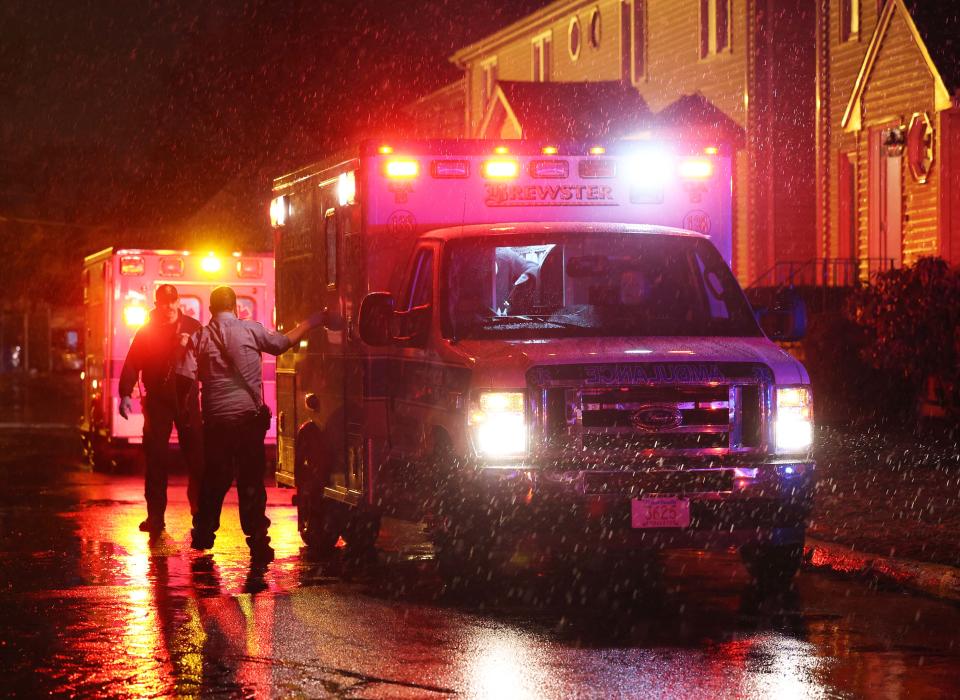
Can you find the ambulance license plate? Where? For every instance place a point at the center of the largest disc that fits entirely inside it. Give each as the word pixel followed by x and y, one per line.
pixel 660 511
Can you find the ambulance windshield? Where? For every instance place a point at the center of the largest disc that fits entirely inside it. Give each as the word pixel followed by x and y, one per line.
pixel 600 284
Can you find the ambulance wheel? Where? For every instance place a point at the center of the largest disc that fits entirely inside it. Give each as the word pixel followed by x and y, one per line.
pixel 772 567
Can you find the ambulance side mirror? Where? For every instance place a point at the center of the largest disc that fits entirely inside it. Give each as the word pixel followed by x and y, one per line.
pixel 786 321
pixel 376 319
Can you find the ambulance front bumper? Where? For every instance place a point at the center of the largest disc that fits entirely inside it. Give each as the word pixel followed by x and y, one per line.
pixel 608 511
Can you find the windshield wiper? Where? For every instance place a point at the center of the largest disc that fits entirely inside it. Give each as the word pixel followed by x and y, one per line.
pixel 553 321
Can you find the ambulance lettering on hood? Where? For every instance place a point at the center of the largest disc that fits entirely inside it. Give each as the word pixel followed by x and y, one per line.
pixel 502 195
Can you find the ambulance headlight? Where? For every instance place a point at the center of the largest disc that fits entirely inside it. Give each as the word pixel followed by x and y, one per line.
pixel 793 426
pixel 498 424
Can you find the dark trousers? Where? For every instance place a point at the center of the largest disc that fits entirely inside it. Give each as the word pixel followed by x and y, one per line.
pixel 233 450
pixel 159 416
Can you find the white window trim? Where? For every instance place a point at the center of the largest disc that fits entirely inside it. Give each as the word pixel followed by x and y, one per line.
pixel 595 12
pixel 488 85
pixel 855 15
pixel 545 41
pixel 634 46
pixel 574 22
pixel 712 30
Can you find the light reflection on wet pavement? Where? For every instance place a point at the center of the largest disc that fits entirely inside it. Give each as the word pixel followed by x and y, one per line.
pixel 93 609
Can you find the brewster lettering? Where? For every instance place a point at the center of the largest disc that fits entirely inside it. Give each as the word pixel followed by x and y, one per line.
pixel 500 195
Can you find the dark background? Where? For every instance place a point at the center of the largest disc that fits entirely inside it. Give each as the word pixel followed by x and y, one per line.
pixel 122 121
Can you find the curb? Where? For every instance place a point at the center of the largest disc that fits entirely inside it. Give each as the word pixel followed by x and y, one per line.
pixel 936 580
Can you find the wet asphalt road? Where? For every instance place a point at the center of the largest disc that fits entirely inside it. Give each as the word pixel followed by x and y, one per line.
pixel 89 607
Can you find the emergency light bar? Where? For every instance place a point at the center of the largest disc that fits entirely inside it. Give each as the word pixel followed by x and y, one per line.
pixel 501 169
pixel 131 265
pixel 249 268
pixel 171 267
pixel 597 168
pixel 549 168
pixel 695 169
pixel 210 263
pixel 404 168
pixel 450 168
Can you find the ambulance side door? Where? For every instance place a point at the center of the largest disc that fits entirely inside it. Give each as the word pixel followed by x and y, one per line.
pixel 417 370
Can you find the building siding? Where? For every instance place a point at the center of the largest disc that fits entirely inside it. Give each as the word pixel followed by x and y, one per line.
pixel 900 84
pixel 845 60
pixel 515 57
pixel 773 209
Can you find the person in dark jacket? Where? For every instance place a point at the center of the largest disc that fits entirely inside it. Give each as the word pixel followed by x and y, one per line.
pixel 154 352
pixel 225 356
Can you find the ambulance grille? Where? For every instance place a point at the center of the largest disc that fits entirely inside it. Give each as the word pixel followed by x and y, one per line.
pixel 654 419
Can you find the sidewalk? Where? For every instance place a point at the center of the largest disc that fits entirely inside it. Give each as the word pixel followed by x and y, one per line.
pixel 888 506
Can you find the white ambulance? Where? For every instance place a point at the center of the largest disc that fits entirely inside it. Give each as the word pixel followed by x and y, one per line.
pixel 534 348
pixel 118 293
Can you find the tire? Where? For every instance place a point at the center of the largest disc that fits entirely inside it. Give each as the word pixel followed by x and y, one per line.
pixel 772 567
pixel 319 520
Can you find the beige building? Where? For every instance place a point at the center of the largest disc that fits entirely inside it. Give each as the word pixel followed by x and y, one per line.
pixel 888 135
pixel 709 69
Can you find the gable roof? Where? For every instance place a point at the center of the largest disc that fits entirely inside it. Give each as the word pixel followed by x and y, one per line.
pixel 568 111
pixel 695 116
pixel 602 110
pixel 939 29
pixel 524 26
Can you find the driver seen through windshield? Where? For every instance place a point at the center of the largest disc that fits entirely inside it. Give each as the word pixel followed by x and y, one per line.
pixel 591 285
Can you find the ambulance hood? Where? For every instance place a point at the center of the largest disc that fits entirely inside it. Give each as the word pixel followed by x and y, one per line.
pixel 503 363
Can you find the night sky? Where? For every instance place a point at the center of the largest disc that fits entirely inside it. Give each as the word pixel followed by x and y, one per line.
pixel 131 116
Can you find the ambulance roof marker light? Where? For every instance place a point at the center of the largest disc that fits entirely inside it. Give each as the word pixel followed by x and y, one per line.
pixel 597 150
pixel 501 150
pixel 711 150
pixel 550 150
pixel 385 150
pixel 210 263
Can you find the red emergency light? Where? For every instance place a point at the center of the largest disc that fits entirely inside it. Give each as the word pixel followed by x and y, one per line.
pixel 597 167
pixel 695 168
pixel 401 168
pixel 131 265
pixel 450 168
pixel 249 268
pixel 549 168
pixel 171 267
pixel 501 169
